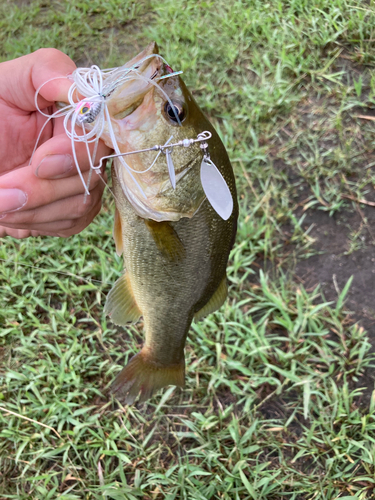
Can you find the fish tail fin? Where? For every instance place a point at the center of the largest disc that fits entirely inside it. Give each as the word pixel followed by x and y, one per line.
pixel 145 376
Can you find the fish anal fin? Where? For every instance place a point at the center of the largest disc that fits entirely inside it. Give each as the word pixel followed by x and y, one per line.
pixel 166 240
pixel 117 234
pixel 215 302
pixel 120 305
pixel 142 376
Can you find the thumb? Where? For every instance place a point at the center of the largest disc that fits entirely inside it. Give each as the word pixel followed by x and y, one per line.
pixel 21 77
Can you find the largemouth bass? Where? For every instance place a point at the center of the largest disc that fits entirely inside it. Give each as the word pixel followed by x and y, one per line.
pixel 175 245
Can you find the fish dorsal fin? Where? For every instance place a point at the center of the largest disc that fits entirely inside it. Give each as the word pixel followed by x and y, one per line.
pixel 215 302
pixel 117 234
pixel 166 239
pixel 120 305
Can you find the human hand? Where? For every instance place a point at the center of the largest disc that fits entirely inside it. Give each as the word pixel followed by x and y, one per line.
pixel 46 197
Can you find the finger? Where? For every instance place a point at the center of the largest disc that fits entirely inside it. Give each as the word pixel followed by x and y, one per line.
pixel 74 207
pixel 48 226
pixel 22 190
pixel 17 233
pixel 23 76
pixel 63 228
pixel 54 158
pixel 81 223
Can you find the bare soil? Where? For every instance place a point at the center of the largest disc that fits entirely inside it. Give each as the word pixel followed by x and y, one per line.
pixel 337 261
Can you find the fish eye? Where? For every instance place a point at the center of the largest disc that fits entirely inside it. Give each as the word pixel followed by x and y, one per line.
pixel 171 112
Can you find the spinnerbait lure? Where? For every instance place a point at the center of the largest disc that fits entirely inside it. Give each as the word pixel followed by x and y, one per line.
pixel 97 86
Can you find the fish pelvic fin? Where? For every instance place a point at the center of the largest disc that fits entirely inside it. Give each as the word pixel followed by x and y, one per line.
pixel 166 239
pixel 117 234
pixel 120 305
pixel 142 376
pixel 215 302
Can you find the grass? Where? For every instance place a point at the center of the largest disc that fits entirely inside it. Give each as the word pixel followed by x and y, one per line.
pixel 272 407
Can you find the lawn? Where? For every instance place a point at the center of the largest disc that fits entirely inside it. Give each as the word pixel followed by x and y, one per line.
pixel 279 400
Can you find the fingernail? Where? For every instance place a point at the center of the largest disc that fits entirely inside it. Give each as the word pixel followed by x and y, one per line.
pixel 11 200
pixel 54 166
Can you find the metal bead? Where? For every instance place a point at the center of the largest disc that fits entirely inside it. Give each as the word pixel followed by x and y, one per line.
pixel 186 143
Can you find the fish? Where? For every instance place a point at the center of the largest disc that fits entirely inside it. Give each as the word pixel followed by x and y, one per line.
pixel 174 244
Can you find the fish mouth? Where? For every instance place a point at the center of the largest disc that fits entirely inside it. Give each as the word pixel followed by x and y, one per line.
pixel 129 110
pixel 128 96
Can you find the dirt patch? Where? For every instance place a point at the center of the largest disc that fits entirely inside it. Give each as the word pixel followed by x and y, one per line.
pixel 346 246
pixel 123 43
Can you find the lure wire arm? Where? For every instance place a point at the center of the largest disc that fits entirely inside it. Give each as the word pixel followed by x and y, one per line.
pixel 202 138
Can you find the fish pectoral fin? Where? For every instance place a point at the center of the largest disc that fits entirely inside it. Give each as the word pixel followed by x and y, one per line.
pixel 117 234
pixel 120 305
pixel 215 302
pixel 166 239
pixel 144 376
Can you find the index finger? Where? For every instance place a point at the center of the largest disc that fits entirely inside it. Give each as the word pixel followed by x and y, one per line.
pixel 23 76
